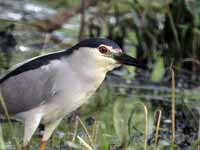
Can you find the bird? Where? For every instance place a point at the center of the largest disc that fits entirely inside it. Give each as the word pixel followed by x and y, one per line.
pixel 46 88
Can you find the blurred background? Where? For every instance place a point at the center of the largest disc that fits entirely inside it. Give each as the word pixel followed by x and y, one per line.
pixel 165 34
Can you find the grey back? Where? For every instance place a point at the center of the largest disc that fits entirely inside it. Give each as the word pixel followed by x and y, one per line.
pixel 26 90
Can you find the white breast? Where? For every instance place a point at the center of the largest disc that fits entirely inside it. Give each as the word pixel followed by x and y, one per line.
pixel 73 86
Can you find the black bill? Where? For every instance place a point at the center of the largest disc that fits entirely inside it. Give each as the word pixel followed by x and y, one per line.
pixel 128 60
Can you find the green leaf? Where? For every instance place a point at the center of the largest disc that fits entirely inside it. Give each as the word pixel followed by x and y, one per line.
pixel 158 70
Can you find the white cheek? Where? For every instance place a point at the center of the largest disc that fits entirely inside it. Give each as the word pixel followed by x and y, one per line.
pixel 109 63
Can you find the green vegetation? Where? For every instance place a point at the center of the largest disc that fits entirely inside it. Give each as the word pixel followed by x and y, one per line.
pixel 165 34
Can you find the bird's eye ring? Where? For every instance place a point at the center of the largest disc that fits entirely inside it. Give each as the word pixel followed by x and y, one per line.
pixel 103 49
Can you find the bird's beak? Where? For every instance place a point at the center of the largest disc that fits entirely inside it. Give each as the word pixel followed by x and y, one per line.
pixel 128 60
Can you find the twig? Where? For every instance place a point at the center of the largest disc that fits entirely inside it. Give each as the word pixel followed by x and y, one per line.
pixel 81 32
pixel 76 129
pixel 84 143
pixel 173 107
pixel 171 20
pixel 146 126
pixel 157 127
pixel 47 38
pixel 193 60
pixel 49 25
pixel 95 129
pixel 145 122
pixel 84 127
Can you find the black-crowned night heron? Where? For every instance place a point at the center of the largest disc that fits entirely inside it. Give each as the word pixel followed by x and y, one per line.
pixel 44 89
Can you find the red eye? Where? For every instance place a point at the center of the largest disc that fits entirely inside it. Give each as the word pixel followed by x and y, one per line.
pixel 103 49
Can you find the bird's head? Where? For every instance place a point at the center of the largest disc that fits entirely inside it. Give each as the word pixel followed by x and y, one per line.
pixel 105 53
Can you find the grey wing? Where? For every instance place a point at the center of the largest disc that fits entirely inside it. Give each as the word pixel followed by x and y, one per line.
pixel 27 90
